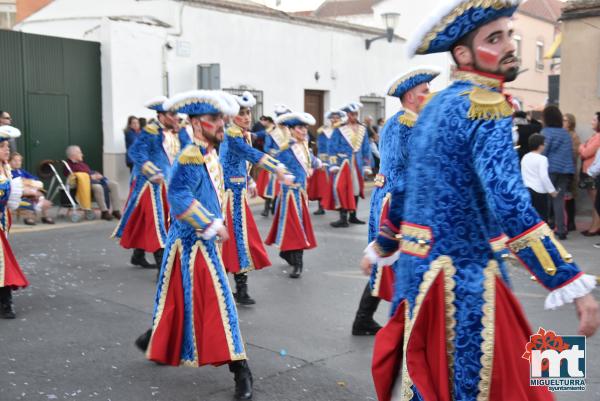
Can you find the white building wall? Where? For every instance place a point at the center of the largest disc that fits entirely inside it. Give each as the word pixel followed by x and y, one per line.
pixel 272 55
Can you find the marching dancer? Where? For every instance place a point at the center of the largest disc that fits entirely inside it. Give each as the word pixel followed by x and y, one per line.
pixel 11 190
pixel 244 250
pixel 445 340
pixel 145 219
pixel 319 185
pixel 267 185
pixel 292 230
pixel 350 158
pixel 411 88
pixel 195 319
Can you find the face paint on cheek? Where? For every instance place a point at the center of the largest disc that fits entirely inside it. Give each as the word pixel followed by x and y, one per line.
pixel 208 126
pixel 487 55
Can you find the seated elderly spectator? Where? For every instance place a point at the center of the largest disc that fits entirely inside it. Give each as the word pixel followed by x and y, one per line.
pixel 33 200
pixel 105 191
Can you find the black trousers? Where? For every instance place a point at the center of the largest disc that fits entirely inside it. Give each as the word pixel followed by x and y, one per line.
pixel 540 203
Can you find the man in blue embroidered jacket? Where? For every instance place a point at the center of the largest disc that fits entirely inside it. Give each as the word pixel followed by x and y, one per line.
pixel 244 251
pixel 462 166
pixel 412 88
pixel 350 160
pixel 195 320
pixel 145 219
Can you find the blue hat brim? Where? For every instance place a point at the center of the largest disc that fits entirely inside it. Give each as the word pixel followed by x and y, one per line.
pixel 451 22
pixel 404 86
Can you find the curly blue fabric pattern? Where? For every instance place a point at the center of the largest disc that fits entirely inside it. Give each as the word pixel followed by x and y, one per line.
pixel 463 182
pixel 235 153
pixel 192 183
pixel 339 147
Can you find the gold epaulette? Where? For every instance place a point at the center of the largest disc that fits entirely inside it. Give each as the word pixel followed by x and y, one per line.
pixel 320 130
pixel 152 129
pixel 487 105
pixel 191 155
pixel 408 118
pixel 235 132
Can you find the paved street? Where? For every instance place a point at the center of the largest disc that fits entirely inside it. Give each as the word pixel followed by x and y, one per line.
pixel 73 337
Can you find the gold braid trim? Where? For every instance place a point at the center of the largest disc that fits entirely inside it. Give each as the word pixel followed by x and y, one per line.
pixel 408 118
pixel 488 105
pixel 191 155
pixel 533 240
pixel 487 333
pixel 441 264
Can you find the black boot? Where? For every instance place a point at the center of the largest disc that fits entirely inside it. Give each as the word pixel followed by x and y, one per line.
pixel 320 211
pixel 158 257
pixel 243 380
pixel 265 212
pixel 297 259
pixel 343 221
pixel 285 255
pixel 241 289
pixel 353 219
pixel 139 259
pixel 142 341
pixel 364 325
pixel 6 307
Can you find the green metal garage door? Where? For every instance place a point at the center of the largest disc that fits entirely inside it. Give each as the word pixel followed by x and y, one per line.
pixel 51 86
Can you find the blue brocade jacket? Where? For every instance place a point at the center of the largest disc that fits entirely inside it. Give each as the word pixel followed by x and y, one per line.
pixel 149 155
pixel 347 145
pixel 463 187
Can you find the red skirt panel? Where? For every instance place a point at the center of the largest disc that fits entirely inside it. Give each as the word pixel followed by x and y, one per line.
pixel 142 227
pixel 244 250
pixel 288 232
pixel 267 186
pixel 387 354
pixel 504 373
pixel 343 188
pixel 208 341
pixel 318 186
pixel 10 271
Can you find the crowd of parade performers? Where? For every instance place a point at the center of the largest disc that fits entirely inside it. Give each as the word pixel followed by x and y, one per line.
pixel 448 204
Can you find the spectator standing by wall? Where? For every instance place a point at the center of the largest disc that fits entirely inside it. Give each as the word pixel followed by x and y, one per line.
pixel 588 151
pixel 6 119
pixel 569 124
pixel 131 133
pixel 534 169
pixel 558 150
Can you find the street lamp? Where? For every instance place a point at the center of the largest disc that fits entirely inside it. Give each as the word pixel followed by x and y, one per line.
pixel 391 20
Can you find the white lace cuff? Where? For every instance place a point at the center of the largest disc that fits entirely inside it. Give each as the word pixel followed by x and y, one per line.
pixel 211 231
pixel 16 192
pixel 374 257
pixel 575 289
pixel 334 169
